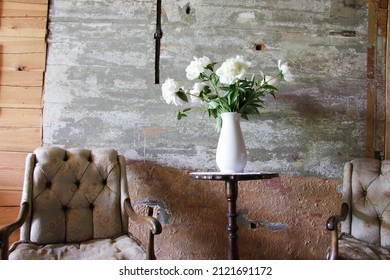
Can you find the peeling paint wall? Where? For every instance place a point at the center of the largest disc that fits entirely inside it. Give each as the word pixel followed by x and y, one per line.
pixel 100 79
pixel 100 91
pixel 281 218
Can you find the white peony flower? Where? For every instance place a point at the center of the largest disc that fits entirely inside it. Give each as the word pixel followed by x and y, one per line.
pixel 283 67
pixel 232 69
pixel 196 67
pixel 195 91
pixel 169 89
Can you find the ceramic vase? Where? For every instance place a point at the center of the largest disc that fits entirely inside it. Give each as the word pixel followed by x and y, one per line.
pixel 231 155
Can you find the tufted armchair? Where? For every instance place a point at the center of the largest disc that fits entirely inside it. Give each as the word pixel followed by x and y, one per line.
pixel 365 212
pixel 75 205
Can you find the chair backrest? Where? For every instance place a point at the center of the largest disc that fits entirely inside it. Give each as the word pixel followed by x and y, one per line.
pixel 366 188
pixel 75 195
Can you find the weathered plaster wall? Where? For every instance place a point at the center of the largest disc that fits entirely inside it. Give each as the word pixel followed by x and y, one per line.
pixel 100 91
pixel 281 218
pixel 100 79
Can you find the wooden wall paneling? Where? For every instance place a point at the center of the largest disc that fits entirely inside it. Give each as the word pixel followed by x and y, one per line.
pixel 17 117
pixel 22 45
pixel 371 89
pixel 20 138
pixel 23 62
pixel 11 171
pixel 10 198
pixel 21 78
pixel 23 33
pixel 387 125
pixel 20 129
pixel 20 97
pixel 26 9
pixel 28 27
pixel 371 115
pixel 8 215
pixel 44 2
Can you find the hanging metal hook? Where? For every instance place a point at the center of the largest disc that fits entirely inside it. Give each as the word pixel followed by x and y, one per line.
pixel 157 36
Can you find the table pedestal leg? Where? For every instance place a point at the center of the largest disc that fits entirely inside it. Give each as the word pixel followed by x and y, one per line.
pixel 232 228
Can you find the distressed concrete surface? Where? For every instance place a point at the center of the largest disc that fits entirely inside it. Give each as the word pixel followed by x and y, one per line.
pixel 100 91
pixel 99 86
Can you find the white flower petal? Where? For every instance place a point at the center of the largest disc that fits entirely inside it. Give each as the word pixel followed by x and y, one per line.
pixel 195 92
pixel 232 69
pixel 169 89
pixel 285 71
pixel 196 67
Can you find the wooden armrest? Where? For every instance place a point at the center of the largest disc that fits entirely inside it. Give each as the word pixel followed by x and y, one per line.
pixel 152 223
pixel 333 221
pixel 7 230
pixel 332 225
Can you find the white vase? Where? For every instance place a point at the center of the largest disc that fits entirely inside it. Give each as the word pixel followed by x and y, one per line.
pixel 231 153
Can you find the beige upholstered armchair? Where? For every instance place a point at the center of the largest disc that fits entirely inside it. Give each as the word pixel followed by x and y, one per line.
pixel 365 212
pixel 75 205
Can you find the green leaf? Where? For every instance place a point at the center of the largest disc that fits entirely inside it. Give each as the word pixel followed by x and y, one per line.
pixel 218 125
pixel 182 95
pixel 269 87
pixel 244 116
pixel 180 115
pixel 211 66
pixel 213 104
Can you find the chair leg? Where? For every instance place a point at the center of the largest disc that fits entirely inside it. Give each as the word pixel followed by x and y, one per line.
pixel 150 255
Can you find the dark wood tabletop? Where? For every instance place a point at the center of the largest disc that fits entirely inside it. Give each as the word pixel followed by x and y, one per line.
pixel 233 176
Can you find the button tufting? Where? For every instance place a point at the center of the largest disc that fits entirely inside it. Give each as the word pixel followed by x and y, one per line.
pixel 91 206
pixel 104 182
pixel 364 193
pixel 64 208
pixel 66 157
pixel 77 183
pixel 48 184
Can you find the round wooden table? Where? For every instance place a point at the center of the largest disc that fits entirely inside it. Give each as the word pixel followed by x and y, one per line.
pixel 231 187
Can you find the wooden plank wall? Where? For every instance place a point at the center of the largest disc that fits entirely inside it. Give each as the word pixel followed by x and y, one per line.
pixel 376 137
pixel 387 126
pixel 22 66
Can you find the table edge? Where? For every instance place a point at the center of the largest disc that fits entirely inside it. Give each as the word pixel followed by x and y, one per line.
pixel 233 176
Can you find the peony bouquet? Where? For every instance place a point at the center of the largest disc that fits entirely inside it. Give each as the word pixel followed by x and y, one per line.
pixel 224 90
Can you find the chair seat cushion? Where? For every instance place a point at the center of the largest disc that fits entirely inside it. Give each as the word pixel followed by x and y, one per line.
pixel 351 248
pixel 123 247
